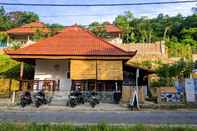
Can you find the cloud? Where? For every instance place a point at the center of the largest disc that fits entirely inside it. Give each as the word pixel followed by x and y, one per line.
pixel 86 15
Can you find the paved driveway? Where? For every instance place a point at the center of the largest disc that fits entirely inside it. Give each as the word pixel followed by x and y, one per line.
pixel 95 117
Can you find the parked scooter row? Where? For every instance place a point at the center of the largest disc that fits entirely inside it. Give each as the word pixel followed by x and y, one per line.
pixel 77 98
pixel 38 99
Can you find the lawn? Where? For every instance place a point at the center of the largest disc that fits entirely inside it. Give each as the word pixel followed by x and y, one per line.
pixel 99 127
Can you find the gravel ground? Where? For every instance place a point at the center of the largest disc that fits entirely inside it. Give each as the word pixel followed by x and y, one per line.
pixel 46 108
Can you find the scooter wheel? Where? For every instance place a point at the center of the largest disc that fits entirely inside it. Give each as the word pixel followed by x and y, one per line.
pixel 37 104
pixel 45 102
pixel 72 103
pixel 23 104
pixel 93 104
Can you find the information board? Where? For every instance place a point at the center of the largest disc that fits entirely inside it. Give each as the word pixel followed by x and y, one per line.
pixel 190 90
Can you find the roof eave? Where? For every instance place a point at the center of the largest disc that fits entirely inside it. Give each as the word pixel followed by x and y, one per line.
pixel 16 56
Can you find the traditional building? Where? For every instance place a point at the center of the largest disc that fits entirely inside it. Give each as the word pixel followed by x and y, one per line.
pixel 77 58
pixel 113 34
pixel 25 32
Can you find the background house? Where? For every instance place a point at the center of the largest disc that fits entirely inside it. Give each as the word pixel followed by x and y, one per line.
pixel 26 32
pixel 113 33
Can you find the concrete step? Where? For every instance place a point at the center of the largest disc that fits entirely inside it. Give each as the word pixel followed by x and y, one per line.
pixel 58 102
pixel 59 98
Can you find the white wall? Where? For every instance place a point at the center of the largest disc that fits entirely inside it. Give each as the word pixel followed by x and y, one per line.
pixel 53 70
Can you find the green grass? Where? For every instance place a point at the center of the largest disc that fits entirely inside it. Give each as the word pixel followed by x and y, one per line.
pixel 99 127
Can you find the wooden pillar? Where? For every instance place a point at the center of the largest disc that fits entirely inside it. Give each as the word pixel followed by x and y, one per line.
pixel 58 85
pixel 21 74
pixel 95 85
pixel 21 70
pixel 116 86
pixel 104 86
pixel 28 38
pixel 96 76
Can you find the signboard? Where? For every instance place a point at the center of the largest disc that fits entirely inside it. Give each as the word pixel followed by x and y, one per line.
pixel 190 90
pixel 194 73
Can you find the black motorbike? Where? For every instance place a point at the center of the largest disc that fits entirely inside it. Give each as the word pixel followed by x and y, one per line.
pixel 25 99
pixel 75 98
pixel 93 100
pixel 40 98
pixel 72 101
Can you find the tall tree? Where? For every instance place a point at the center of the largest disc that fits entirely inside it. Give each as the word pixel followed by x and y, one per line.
pixel 5 23
pixel 54 28
pixel 98 29
pixel 12 19
pixel 27 17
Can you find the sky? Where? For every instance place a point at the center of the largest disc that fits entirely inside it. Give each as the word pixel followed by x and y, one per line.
pixel 86 15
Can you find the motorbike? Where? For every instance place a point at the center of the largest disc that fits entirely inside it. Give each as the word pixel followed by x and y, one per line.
pixel 72 102
pixel 75 98
pixel 25 99
pixel 93 100
pixel 40 98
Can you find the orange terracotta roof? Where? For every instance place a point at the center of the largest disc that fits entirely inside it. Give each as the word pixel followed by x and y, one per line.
pixel 110 28
pixel 73 41
pixel 29 28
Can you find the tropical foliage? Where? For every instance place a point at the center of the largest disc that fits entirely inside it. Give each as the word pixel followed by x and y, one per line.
pixel 14 44
pixel 179 32
pixel 98 29
pixel 168 73
pixel 3 39
pixel 11 69
pixel 39 35
pixel 54 28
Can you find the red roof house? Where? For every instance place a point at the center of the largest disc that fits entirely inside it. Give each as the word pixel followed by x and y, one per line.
pixel 110 28
pixel 26 32
pixel 30 28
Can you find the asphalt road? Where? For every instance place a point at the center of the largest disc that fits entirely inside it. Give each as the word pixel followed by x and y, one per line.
pixel 96 117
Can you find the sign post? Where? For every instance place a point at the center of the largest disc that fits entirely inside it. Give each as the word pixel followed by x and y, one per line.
pixel 134 102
